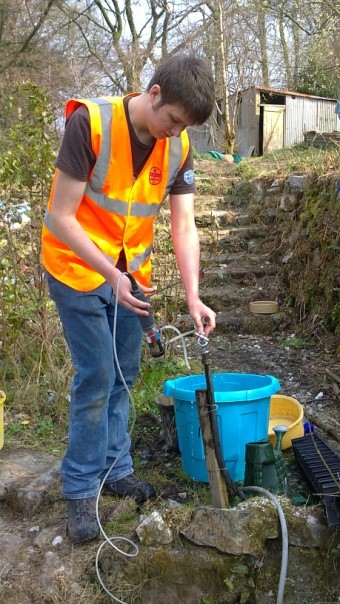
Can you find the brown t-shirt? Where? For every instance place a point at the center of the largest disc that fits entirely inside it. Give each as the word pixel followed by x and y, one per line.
pixel 77 159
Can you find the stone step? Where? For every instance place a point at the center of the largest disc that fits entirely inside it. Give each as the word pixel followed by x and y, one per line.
pixel 216 218
pixel 249 274
pixel 218 174
pixel 225 179
pixel 234 258
pixel 241 321
pixel 210 216
pixel 212 202
pixel 233 244
pixel 222 218
pixel 241 232
pixel 235 296
pixel 249 324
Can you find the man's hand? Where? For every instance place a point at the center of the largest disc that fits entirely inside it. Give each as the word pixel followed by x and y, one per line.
pixel 203 317
pixel 123 288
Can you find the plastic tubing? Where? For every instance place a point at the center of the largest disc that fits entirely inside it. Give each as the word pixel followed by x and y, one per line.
pixel 284 535
pixel 179 337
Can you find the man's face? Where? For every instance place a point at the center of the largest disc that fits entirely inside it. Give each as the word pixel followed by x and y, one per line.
pixel 165 120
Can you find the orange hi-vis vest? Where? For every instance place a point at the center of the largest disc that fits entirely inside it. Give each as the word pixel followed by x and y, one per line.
pixel 117 211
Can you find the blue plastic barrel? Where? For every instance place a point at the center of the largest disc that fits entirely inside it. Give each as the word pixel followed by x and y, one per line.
pixel 243 405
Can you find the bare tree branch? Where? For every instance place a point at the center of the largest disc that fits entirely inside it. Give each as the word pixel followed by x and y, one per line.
pixel 29 38
pixel 117 29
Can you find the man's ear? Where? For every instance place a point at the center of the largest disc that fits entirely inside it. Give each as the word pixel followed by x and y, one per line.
pixel 155 94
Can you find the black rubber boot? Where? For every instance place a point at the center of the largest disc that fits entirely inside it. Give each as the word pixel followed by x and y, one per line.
pixel 130 486
pixel 82 522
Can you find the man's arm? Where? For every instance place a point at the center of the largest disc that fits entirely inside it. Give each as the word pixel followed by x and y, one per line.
pixel 186 246
pixel 68 194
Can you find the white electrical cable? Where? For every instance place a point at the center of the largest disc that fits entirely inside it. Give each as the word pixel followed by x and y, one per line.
pixel 110 540
pixel 284 536
pixel 180 336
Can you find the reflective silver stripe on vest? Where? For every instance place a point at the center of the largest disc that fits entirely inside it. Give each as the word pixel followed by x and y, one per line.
pixel 48 224
pixel 103 160
pixel 110 259
pixel 139 259
pixel 121 207
pixel 175 159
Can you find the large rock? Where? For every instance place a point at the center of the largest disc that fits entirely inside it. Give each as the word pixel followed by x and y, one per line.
pixel 246 528
pixel 240 530
pixel 297 183
pixel 26 476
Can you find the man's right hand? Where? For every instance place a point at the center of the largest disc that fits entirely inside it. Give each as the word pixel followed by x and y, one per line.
pixel 123 289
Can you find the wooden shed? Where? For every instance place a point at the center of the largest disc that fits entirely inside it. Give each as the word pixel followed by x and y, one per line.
pixel 270 119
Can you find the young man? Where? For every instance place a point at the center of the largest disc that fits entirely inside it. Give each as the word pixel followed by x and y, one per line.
pixel 119 159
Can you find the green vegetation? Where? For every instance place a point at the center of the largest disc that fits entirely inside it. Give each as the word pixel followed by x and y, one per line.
pixel 300 159
pixel 303 158
pixel 314 269
pixel 124 522
pixel 152 377
pixel 294 342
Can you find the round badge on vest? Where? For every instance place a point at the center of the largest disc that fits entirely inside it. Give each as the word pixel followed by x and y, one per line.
pixel 155 176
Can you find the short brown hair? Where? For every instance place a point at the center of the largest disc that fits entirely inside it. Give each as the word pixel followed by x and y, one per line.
pixel 187 81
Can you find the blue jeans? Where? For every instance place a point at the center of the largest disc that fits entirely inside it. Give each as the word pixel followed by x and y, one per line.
pixel 99 404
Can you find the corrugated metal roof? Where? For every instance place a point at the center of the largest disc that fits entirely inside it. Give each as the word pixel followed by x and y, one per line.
pixel 290 92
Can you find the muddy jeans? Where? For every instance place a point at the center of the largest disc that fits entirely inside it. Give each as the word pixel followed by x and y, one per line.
pixel 99 403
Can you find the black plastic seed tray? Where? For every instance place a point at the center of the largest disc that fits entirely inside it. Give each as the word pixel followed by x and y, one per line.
pixel 320 464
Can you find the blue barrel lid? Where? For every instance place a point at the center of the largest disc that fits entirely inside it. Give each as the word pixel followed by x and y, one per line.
pixel 228 387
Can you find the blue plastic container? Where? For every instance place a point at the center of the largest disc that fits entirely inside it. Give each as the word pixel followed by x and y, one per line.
pixel 243 404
